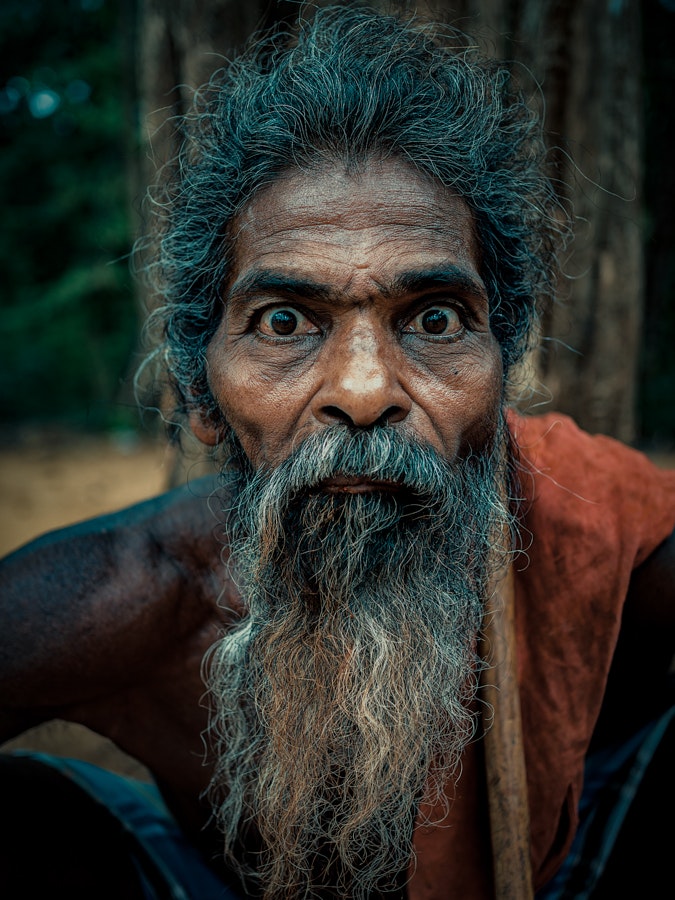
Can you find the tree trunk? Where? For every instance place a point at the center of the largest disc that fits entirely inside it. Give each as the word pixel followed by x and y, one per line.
pixel 587 55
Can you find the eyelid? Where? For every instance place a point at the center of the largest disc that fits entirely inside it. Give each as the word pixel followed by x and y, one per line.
pixel 256 316
pixel 438 300
pixel 428 303
pixel 258 311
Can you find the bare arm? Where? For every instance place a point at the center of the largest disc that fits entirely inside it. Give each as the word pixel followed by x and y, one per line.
pixel 648 626
pixel 640 686
pixel 651 597
pixel 96 617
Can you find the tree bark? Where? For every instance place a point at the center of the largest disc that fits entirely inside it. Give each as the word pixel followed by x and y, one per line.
pixel 587 55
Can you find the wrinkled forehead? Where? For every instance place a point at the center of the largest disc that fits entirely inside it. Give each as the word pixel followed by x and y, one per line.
pixel 384 209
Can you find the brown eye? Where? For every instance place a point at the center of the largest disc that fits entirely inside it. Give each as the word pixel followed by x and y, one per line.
pixel 284 321
pixel 437 321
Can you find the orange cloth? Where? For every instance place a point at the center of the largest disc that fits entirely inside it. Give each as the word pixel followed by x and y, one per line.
pixel 593 509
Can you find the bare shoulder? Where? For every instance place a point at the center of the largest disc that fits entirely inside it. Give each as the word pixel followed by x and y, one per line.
pixel 651 597
pixel 98 609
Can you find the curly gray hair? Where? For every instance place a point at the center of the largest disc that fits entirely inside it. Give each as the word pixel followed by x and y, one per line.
pixel 348 85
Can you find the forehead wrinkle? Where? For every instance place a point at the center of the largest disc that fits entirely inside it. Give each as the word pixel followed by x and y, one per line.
pixel 339 241
pixel 340 211
pixel 293 242
pixel 424 219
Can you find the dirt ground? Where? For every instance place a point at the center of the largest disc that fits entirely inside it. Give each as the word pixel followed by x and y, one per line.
pixel 49 479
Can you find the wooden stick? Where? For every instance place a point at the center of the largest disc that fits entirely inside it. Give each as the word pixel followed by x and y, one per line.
pixel 504 758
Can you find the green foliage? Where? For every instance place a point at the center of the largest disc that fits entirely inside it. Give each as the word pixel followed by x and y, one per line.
pixel 68 320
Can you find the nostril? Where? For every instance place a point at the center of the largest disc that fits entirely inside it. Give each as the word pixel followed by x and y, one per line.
pixel 335 415
pixel 392 415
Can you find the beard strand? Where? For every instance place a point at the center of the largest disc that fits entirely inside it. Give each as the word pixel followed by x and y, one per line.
pixel 343 698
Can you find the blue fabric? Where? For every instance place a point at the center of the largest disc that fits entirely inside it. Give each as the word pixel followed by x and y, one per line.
pixel 163 855
pixel 612 778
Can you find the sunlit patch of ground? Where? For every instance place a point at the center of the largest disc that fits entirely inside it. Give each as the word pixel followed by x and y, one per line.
pixel 48 479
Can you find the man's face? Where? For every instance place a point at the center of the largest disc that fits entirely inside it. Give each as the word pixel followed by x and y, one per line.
pixel 357 300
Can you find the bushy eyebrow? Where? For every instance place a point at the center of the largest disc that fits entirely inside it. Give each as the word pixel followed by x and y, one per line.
pixel 264 281
pixel 447 276
pixel 268 282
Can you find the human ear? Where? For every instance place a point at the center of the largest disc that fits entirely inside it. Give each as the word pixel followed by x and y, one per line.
pixel 205 428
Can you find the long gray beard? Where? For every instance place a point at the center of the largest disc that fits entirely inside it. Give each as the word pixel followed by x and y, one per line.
pixel 342 700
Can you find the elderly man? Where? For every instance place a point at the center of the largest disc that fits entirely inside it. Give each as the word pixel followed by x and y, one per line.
pixel 355 245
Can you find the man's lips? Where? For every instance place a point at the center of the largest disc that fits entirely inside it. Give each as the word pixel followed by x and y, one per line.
pixel 343 484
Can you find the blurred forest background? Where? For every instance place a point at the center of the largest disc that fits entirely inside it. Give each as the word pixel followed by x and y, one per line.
pixel 86 85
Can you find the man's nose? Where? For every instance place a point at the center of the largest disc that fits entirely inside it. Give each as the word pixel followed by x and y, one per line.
pixel 361 381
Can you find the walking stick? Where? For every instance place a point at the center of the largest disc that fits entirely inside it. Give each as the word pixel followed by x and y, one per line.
pixel 504 759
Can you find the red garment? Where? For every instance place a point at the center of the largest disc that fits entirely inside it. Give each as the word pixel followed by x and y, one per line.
pixel 594 510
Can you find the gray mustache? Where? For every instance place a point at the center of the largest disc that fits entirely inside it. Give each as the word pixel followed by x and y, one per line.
pixel 384 454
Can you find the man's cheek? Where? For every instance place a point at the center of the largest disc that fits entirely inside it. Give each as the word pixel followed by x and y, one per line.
pixel 487 398
pixel 263 442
